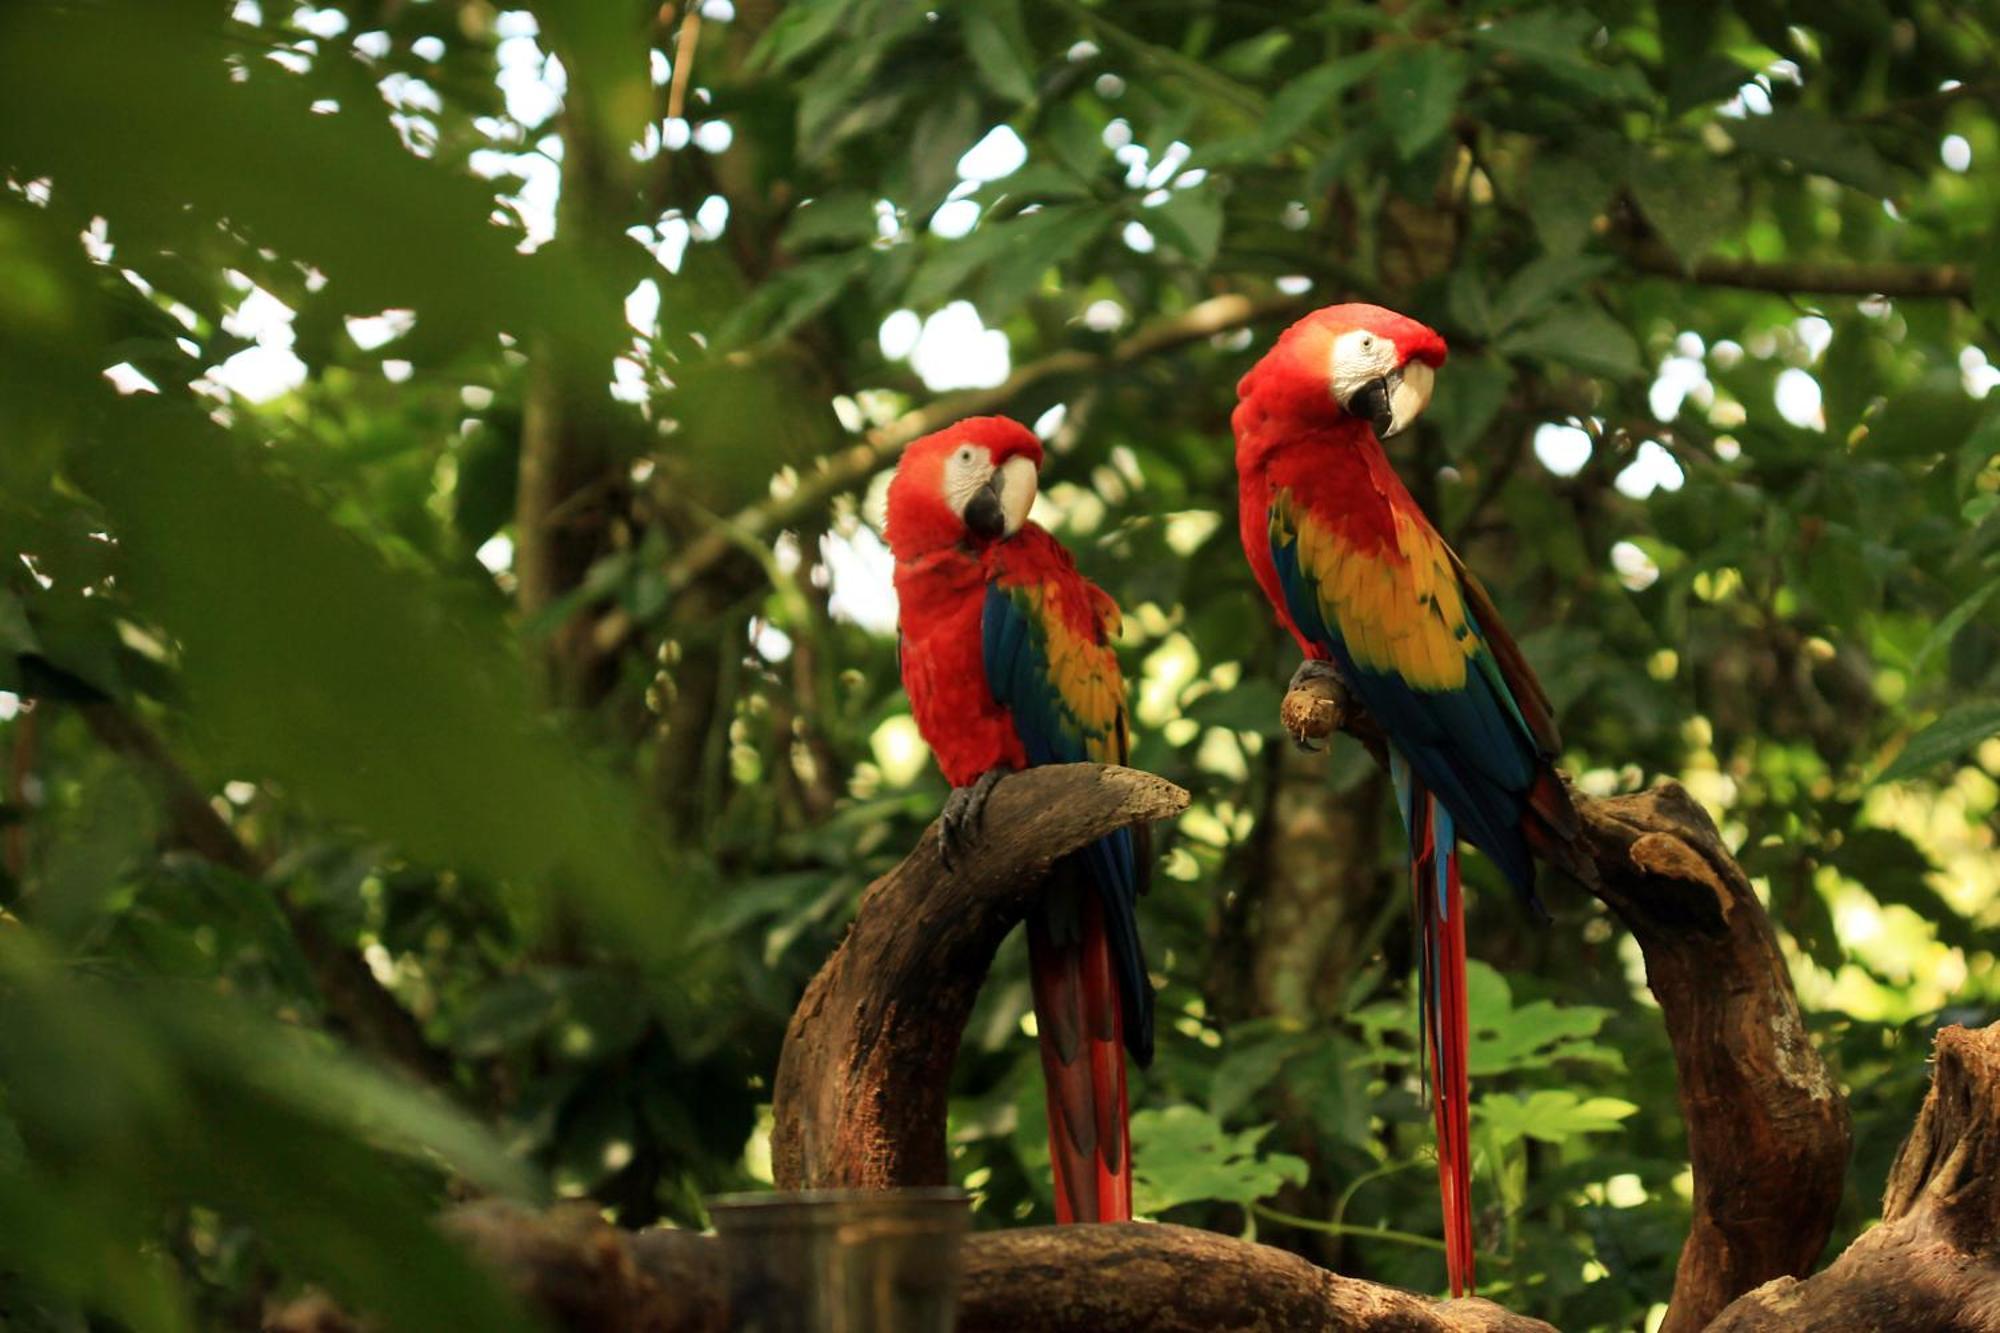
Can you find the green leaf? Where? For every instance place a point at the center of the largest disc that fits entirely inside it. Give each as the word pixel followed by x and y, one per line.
pixel 943 132
pixel 1469 398
pixel 1541 284
pixel 1838 576
pixel 375 695
pixel 845 217
pixel 795 30
pixel 1301 100
pixel 1818 144
pixel 1247 1068
pixel 1581 335
pixel 1703 81
pixel 1184 1155
pixel 1029 246
pixel 1537 1035
pixel 1191 222
pixel 790 298
pixel 1945 739
pixel 1552 41
pixel 1948 627
pixel 1419 93
pixel 1986 282
pixel 1566 190
pixel 1689 197
pixel 1078 142
pixel 16 634
pixel 999 48
pixel 154 70
pixel 1550 1115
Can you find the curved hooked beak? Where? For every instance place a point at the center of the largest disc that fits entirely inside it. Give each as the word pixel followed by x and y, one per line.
pixel 1000 507
pixel 1391 402
pixel 985 518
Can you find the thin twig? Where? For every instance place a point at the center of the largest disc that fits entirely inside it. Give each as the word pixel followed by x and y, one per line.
pixel 1346 1229
pixel 683 62
pixel 1828 279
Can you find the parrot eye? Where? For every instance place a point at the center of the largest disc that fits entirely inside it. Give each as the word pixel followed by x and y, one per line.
pixel 1367 343
pixel 965 453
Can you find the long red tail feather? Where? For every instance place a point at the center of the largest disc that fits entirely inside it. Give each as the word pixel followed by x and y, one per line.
pixel 1083 1057
pixel 1440 904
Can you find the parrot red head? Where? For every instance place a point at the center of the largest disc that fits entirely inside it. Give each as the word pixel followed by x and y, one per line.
pixel 970 483
pixel 1358 361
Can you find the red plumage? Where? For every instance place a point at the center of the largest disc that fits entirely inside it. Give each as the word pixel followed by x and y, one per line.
pixel 967 604
pixel 1358 575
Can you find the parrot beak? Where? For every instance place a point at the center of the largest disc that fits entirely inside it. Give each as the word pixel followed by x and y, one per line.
pixel 1391 402
pixel 985 514
pixel 1410 394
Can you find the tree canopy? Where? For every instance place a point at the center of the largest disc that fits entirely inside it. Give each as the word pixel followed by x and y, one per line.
pixel 447 672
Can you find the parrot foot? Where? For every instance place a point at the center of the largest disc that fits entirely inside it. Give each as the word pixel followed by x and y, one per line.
pixel 964 812
pixel 1309 733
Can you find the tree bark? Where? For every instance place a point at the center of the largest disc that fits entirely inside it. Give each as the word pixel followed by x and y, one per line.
pixel 1933 1265
pixel 1768 1131
pixel 862 1082
pixel 586 1276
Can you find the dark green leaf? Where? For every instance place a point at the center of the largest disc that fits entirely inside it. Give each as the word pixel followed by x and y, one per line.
pixel 1419 92
pixel 1945 740
pixel 1689 197
pixel 998 45
pixel 1541 284
pixel 1581 335
pixel 1816 143
pixel 1191 222
pixel 1566 190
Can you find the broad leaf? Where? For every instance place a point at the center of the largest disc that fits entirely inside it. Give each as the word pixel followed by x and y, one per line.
pixel 1184 1155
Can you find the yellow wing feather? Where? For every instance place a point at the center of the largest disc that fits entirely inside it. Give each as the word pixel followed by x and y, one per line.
pixel 1398 609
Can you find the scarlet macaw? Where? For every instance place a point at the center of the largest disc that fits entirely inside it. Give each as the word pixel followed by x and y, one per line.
pixel 1374 596
pixel 1006 655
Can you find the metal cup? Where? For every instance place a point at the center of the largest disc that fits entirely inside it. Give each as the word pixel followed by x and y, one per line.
pixel 843 1261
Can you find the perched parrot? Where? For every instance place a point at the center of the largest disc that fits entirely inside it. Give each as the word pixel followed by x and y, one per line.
pixel 1006 654
pixel 1375 597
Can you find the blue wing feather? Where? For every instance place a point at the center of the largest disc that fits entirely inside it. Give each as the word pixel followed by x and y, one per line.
pixel 1015 652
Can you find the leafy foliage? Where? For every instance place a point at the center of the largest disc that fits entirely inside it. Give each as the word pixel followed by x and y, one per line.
pixel 380 688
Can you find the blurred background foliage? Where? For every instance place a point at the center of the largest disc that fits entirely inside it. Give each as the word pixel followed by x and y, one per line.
pixel 446 651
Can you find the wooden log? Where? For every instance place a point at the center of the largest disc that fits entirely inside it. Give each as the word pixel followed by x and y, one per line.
pixel 583 1275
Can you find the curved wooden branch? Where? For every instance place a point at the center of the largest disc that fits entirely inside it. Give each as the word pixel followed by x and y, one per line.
pixel 1169 1279
pixel 1768 1131
pixel 859 1100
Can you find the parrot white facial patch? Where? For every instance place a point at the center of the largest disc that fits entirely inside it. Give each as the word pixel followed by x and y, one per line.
pixel 1358 356
pixel 968 469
